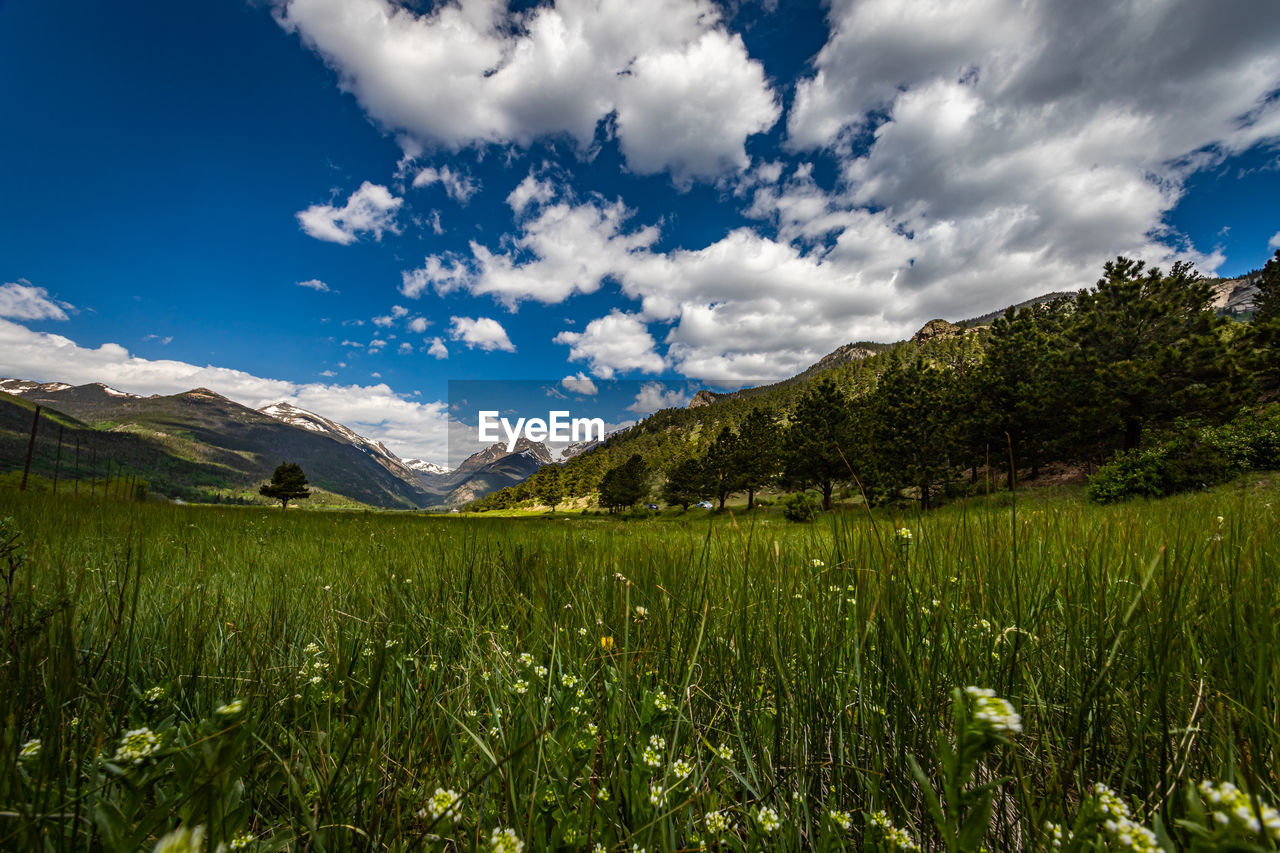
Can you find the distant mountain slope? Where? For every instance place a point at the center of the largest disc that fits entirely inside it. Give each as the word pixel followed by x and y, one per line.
pixel 232 447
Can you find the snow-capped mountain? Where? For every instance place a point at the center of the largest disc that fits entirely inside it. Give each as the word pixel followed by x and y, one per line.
pixel 299 417
pixel 24 387
pixel 422 466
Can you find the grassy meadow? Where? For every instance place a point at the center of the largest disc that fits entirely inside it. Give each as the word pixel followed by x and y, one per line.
pixel 181 678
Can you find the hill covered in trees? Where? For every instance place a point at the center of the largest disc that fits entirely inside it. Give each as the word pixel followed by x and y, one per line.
pixel 1078 379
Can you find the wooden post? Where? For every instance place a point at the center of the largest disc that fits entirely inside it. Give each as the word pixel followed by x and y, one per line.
pixel 31 448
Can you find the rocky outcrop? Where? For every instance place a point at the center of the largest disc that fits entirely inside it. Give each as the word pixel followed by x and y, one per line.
pixel 936 329
pixel 702 398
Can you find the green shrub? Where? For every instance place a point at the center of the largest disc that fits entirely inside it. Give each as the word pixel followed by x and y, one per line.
pixel 1190 459
pixel 802 506
pixel 1251 440
pixel 1137 473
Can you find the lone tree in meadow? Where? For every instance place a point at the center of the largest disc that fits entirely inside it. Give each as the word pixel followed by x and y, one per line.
pixel 288 483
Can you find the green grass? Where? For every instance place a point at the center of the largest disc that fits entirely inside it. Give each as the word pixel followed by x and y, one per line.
pixel 1138 642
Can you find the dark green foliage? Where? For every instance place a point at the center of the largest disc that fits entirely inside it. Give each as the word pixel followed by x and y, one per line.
pixel 819 439
pixel 288 483
pixel 625 485
pixel 549 485
pixel 1144 349
pixel 1193 458
pixel 912 413
pixel 722 465
pixel 686 483
pixel 801 507
pixel 1015 395
pixel 1267 302
pixel 1251 440
pixel 759 452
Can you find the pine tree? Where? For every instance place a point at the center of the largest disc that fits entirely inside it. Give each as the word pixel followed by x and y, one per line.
pixel 549 486
pixel 1016 393
pixel 758 452
pixel 1267 302
pixel 913 428
pixel 819 439
pixel 626 484
pixel 1145 348
pixel 721 465
pixel 288 483
pixel 686 483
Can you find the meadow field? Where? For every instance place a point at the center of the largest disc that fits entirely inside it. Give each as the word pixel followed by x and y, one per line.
pixel 1001 674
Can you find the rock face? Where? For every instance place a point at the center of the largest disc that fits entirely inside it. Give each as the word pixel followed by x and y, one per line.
pixel 936 329
pixel 702 398
pixel 1235 294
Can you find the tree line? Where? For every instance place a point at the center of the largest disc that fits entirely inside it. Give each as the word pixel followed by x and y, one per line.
pixel 1075 380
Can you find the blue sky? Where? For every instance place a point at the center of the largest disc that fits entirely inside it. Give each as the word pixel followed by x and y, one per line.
pixel 667 189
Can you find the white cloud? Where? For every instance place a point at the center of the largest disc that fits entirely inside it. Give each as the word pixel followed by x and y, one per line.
pixel 471 71
pixel 654 396
pixel 567 248
pixel 617 342
pixel 445 273
pixel 370 209
pixel 483 333
pixel 315 284
pixel 438 349
pixel 384 321
pixel 459 186
pixel 690 109
pixel 579 384
pixel 1274 242
pixel 21 300
pixel 164 340
pixel 418 325
pixel 410 429
pixel 405 348
pixel 530 191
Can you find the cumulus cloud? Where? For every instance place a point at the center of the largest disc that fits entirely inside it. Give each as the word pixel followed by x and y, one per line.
pixel 616 343
pixel 472 71
pixel 1019 144
pixel 654 396
pixel 459 186
pixel 484 333
pixel 985 153
pixel 419 325
pixel 690 109
pixel 437 349
pixel 371 209
pixel 580 384
pixel 409 428
pixel 1274 242
pixel 315 284
pixel 564 249
pixel 21 300
pixel 531 190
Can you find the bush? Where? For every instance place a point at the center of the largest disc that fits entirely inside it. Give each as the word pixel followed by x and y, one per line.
pixel 802 506
pixel 1138 473
pixel 1190 459
pixel 1251 440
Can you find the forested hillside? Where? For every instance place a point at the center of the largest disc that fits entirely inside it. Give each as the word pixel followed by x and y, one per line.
pixel 1080 379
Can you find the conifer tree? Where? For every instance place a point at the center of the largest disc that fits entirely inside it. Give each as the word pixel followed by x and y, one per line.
pixel 758 452
pixel 288 483
pixel 819 439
